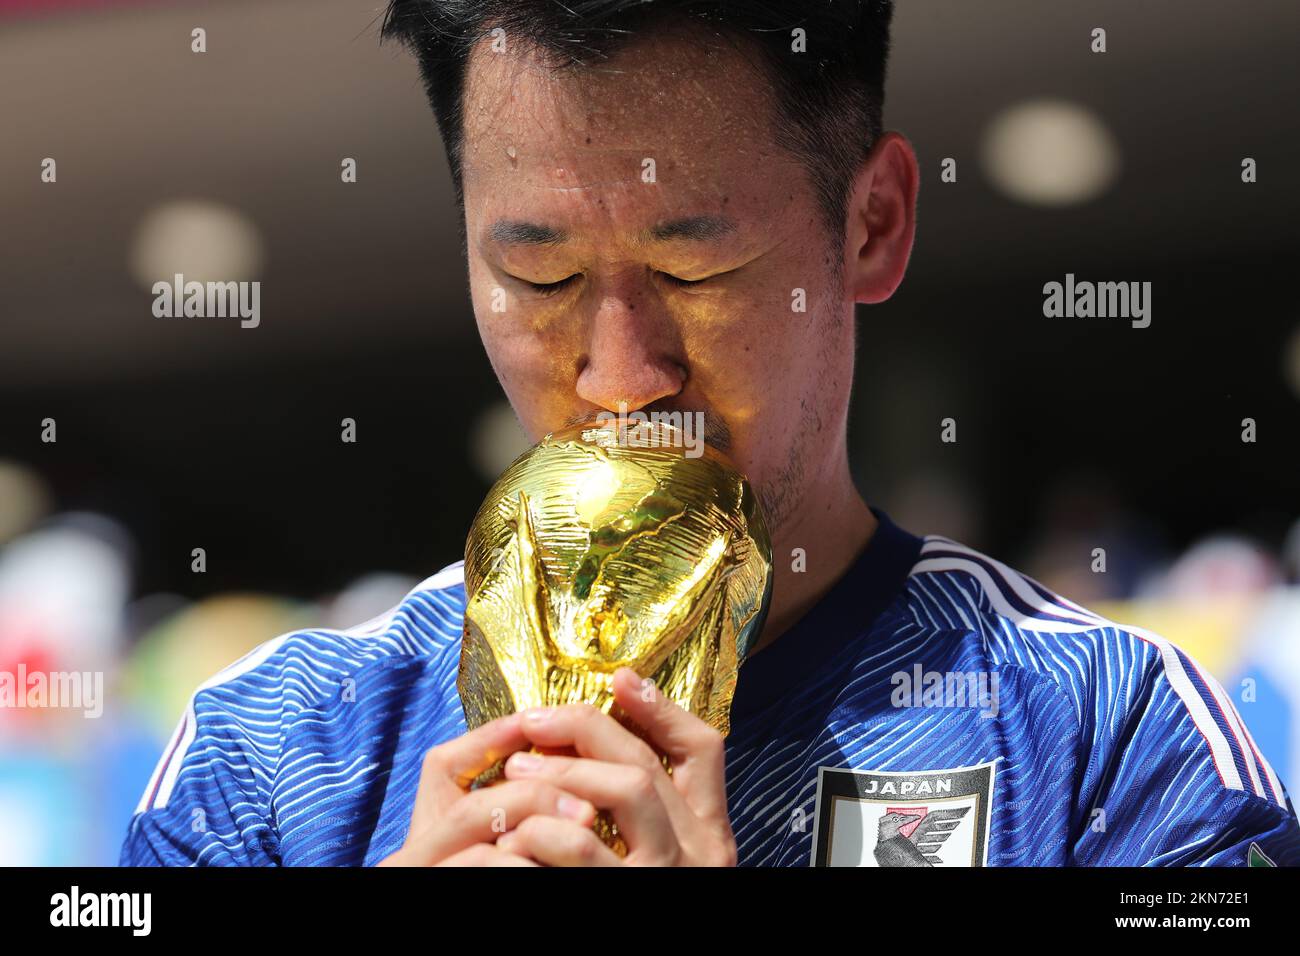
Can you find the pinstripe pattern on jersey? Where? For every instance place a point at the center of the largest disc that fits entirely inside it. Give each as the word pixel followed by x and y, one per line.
pixel 1206 700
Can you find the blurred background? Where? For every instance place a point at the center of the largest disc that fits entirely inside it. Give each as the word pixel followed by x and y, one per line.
pixel 1073 434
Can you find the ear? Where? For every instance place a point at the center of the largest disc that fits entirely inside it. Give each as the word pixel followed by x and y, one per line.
pixel 881 220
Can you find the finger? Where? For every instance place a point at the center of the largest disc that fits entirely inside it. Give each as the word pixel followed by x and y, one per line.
pixel 589 731
pixel 598 736
pixel 486 854
pixel 484 814
pixel 449 768
pixel 696 750
pixel 631 794
pixel 555 842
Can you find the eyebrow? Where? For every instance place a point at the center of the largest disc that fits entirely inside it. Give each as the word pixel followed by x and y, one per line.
pixel 514 232
pixel 690 228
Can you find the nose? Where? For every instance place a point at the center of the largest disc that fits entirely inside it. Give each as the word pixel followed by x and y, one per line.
pixel 630 356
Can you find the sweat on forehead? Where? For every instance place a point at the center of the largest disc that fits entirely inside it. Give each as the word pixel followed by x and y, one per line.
pixel 669 96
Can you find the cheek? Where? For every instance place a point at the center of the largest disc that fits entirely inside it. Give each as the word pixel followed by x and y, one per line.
pixel 756 355
pixel 520 361
pixel 532 368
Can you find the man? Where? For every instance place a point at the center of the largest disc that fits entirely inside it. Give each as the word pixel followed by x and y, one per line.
pixel 676 206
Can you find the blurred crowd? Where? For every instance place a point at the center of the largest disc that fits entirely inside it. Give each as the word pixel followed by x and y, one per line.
pixel 69 781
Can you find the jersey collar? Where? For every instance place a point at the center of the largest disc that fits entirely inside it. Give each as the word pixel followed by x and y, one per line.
pixel 846 611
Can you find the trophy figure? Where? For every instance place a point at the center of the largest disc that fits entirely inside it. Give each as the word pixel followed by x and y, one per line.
pixel 609 545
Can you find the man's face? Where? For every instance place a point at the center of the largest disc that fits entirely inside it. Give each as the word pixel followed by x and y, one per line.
pixel 708 286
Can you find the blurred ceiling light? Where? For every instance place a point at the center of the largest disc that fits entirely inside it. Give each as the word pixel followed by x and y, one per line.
pixel 204 241
pixel 1049 153
pixel 24 499
pixel 496 440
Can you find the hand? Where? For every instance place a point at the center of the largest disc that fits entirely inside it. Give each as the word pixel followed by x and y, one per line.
pixel 454 826
pixel 665 820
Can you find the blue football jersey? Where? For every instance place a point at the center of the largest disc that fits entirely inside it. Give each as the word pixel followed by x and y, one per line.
pixel 935 708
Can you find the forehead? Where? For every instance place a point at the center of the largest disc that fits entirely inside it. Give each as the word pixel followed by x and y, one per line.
pixel 698 106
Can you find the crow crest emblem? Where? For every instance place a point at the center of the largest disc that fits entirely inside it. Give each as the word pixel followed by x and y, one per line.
pixel 912 837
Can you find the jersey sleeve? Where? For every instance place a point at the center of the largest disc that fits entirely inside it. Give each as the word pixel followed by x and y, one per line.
pixel 1178 780
pixel 206 803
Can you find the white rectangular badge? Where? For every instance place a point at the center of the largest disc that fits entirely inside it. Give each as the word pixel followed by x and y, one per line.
pixel 921 818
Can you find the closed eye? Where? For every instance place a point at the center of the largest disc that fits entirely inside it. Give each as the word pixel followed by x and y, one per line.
pixel 550 288
pixel 679 281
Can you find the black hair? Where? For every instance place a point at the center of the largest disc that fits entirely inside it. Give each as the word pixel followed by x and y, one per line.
pixel 828 96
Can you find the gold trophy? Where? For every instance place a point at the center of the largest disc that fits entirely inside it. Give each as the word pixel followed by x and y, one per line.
pixel 612 545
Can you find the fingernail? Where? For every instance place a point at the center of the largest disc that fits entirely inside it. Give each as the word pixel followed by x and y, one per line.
pixel 537 714
pixel 571 808
pixel 525 763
